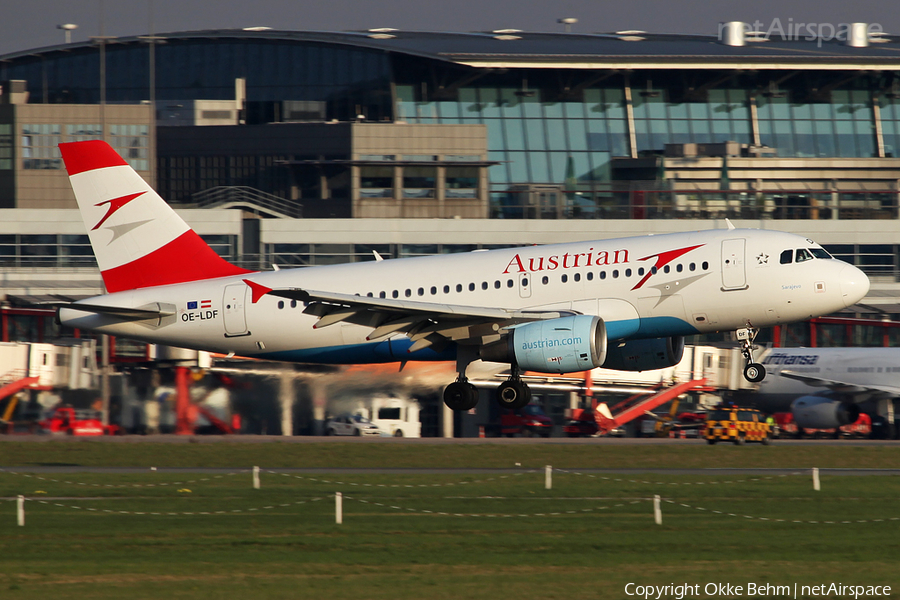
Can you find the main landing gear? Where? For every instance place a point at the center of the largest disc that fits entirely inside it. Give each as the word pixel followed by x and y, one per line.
pixel 513 393
pixel 462 395
pixel 754 372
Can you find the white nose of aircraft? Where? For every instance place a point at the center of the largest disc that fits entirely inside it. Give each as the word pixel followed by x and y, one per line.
pixel 854 285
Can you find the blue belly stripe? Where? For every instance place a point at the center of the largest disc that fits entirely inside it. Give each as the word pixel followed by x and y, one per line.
pixel 396 350
pixel 357 354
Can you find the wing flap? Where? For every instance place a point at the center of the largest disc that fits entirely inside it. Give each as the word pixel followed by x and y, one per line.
pixel 426 323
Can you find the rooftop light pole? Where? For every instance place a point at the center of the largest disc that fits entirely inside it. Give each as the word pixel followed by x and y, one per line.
pixel 568 22
pixel 67 28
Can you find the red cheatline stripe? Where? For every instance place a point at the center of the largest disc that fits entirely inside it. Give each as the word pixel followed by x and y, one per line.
pixel 90 155
pixel 186 258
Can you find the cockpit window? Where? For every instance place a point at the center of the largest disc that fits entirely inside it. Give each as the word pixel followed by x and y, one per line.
pixel 819 253
pixel 787 256
pixel 803 255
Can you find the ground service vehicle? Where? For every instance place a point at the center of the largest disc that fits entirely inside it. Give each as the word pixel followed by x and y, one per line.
pixel 351 425
pixel 397 417
pixel 527 422
pixel 737 425
pixel 582 424
pixel 77 421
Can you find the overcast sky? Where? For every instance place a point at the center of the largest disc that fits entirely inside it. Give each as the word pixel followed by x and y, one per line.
pixel 29 24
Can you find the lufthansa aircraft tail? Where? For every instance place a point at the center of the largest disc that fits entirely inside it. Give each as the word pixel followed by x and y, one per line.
pixel 139 241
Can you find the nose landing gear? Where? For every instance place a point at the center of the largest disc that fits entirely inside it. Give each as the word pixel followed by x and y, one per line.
pixel 754 372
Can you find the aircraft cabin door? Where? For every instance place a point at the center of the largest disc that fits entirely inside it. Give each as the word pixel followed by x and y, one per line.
pixel 233 305
pixel 525 282
pixel 734 275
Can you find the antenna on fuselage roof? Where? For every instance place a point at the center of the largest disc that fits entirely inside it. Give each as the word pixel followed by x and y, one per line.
pixel 378 257
pixel 729 223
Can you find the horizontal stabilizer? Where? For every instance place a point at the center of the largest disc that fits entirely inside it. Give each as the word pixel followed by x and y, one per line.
pixel 121 312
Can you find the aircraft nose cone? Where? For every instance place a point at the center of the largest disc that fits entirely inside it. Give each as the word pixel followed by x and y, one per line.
pixel 854 285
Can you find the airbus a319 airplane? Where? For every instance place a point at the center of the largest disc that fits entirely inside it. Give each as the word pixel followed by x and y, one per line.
pixel 621 303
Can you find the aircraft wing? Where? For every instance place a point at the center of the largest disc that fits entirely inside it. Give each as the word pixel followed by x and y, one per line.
pixel 425 323
pixel 844 387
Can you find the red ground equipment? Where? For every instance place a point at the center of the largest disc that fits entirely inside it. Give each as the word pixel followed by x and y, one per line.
pixel 861 428
pixel 81 421
pixel 529 421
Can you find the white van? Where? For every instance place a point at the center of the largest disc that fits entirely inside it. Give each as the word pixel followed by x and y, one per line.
pixel 398 417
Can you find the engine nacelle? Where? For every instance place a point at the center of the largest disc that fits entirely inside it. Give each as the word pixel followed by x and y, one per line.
pixel 645 355
pixel 819 412
pixel 563 345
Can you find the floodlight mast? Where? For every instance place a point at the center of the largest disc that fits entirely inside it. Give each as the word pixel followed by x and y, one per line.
pixel 567 22
pixel 67 28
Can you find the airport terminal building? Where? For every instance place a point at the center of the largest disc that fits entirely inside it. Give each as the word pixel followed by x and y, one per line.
pixel 326 146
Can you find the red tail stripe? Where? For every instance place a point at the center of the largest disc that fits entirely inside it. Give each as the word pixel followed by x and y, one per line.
pixel 90 155
pixel 186 258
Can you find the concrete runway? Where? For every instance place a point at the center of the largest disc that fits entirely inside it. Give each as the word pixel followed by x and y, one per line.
pixel 275 439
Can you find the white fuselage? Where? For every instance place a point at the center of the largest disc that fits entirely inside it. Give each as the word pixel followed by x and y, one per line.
pixel 642 287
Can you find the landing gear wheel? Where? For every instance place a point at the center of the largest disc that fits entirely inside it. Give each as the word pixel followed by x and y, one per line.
pixel 754 372
pixel 513 394
pixel 460 395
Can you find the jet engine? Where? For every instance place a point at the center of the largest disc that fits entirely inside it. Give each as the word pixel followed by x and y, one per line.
pixel 645 355
pixel 819 412
pixel 562 345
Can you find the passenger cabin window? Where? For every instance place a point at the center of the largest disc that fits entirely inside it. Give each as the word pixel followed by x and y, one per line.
pixel 803 255
pixel 786 257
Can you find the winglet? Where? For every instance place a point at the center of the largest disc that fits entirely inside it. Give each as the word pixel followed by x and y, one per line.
pixel 258 290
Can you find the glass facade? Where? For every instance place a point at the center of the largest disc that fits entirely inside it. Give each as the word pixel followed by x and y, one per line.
pixel 723 115
pixel 132 143
pixel 890 123
pixel 181 177
pixel 350 81
pixel 6 147
pixel 843 126
pixel 553 134
pixel 49 250
pixel 535 140
pixel 40 146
